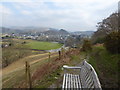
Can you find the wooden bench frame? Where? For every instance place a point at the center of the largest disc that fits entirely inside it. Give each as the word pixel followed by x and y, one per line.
pixel 86 79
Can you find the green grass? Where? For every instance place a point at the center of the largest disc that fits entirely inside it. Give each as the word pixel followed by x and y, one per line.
pixel 77 59
pixel 106 66
pixel 43 45
pixel 32 44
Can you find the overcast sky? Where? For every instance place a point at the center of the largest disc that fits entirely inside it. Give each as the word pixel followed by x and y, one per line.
pixel 72 15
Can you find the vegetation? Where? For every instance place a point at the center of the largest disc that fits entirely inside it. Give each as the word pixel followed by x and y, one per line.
pixel 55 78
pixel 87 46
pixel 107 25
pixel 105 59
pixel 106 65
pixel 11 54
pixel 14 75
pixel 112 42
pixel 43 45
pixel 17 49
pixel 44 72
pixel 99 40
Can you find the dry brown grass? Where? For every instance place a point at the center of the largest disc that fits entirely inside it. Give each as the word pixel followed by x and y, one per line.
pixel 16 71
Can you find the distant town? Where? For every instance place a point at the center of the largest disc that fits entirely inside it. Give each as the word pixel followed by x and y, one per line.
pixel 47 34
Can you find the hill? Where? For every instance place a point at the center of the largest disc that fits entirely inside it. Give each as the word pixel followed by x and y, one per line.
pixel 33 30
pixel 9 30
pixel 56 32
pixel 87 33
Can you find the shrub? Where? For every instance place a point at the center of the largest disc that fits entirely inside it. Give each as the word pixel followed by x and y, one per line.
pixel 99 40
pixel 87 46
pixel 112 42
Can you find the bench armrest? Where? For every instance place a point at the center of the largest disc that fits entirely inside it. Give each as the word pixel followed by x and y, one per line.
pixel 69 67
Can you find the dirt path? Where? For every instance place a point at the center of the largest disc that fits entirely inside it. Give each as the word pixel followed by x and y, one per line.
pixel 19 64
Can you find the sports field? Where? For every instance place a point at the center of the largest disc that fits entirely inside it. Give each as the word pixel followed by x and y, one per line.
pixel 43 45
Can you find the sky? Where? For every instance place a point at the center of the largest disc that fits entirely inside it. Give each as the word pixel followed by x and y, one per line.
pixel 71 15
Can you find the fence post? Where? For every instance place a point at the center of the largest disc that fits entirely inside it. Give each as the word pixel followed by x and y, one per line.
pixel 62 52
pixel 49 55
pixel 28 75
pixel 59 55
pixel 26 71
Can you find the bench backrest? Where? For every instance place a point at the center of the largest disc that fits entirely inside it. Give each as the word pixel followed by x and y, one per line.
pixel 89 78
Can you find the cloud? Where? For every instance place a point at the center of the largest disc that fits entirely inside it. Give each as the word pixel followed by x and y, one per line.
pixel 4 10
pixel 68 14
pixel 26 12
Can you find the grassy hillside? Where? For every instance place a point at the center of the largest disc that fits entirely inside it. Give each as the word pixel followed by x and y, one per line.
pixel 44 72
pixel 106 65
pixel 14 75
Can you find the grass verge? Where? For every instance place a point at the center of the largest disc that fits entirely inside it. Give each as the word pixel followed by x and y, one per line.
pixel 106 65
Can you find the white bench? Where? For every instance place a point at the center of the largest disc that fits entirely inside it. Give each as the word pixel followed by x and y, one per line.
pixel 87 78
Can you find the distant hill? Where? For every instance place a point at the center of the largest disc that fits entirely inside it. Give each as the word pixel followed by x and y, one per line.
pixel 19 30
pixel 87 33
pixel 9 31
pixel 63 32
pixel 38 30
pixel 33 30
pixel 56 32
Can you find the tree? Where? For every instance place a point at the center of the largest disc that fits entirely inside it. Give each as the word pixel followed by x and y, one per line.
pixel 105 27
pixel 87 46
pixel 112 42
pixel 70 41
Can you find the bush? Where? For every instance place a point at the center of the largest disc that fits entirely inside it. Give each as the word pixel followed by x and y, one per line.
pixel 87 46
pixel 99 40
pixel 112 42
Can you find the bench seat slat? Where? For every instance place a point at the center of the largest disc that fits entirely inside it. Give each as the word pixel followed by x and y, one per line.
pixel 63 86
pixel 76 81
pixel 66 81
pixel 71 81
pixel 79 84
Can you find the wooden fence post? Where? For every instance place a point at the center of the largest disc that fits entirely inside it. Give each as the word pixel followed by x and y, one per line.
pixel 49 55
pixel 62 50
pixel 59 55
pixel 26 71
pixel 28 75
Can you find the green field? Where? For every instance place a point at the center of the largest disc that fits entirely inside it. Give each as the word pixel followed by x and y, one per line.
pixel 33 44
pixel 43 45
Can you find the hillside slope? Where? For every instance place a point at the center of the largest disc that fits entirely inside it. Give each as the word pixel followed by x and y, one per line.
pixel 106 65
